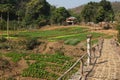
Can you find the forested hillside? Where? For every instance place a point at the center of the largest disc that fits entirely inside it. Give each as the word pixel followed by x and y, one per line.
pixel 30 13
pixel 19 14
pixel 115 6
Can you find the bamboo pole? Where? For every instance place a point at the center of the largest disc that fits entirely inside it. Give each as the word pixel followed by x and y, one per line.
pixel 89 49
pixel 8 25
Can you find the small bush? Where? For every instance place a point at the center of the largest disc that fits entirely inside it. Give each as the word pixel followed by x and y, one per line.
pixel 3 24
pixel 21 42
pixel 4 64
pixel 15 57
pixel 3 39
pixel 32 43
pixel 11 78
pixel 59 52
pixel 118 35
pixel 106 27
pixel 83 49
pixel 4 46
pixel 72 41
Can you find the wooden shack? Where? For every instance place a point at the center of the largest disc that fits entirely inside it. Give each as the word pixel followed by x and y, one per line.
pixel 71 20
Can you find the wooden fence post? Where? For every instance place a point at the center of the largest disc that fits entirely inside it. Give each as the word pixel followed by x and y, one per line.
pixel 81 67
pixel 89 49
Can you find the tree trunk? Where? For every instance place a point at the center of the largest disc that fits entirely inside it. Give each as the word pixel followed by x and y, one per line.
pixel 1 17
pixel 1 25
pixel 7 24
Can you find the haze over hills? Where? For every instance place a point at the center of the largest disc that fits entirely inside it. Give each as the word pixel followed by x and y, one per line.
pixel 115 6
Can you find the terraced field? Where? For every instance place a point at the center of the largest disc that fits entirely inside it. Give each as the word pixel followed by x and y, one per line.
pixel 39 66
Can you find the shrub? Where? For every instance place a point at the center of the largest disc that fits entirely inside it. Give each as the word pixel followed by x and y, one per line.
pixel 72 41
pixel 3 25
pixel 118 35
pixel 3 39
pixel 15 57
pixel 11 78
pixel 4 64
pixel 106 27
pixel 32 43
pixel 4 46
pixel 59 52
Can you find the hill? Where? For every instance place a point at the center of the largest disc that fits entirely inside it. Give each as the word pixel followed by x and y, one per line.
pixel 115 6
pixel 77 9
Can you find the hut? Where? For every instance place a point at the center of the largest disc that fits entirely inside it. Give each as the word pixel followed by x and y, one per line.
pixel 71 20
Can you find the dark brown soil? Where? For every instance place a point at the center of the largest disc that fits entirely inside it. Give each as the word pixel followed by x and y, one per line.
pixel 53 47
pixel 10 69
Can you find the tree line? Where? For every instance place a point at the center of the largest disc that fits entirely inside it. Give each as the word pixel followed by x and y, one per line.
pixel 98 12
pixel 36 13
pixel 32 13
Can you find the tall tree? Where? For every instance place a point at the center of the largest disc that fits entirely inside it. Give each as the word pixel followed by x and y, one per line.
pixel 36 9
pixel 59 15
pixel 8 8
pixel 100 14
pixel 109 13
pixel 97 12
pixel 89 12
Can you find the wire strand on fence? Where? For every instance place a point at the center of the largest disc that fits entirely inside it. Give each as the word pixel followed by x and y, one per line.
pixel 100 45
pixel 60 78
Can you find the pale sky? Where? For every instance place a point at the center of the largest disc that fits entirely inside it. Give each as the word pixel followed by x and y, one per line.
pixel 71 3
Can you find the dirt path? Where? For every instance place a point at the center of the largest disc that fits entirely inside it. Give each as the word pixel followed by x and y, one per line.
pixel 107 67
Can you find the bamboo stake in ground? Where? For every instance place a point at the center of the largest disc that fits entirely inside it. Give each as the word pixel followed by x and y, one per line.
pixel 89 49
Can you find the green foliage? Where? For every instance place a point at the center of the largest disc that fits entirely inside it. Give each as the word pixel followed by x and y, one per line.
pixel 4 64
pixel 3 25
pixel 11 78
pixel 47 65
pixel 31 43
pixel 59 15
pixel 37 11
pixel 15 57
pixel 3 39
pixel 79 37
pixel 4 46
pixel 100 14
pixel 52 33
pixel 71 35
pixel 89 11
pixel 31 12
pixel 76 15
pixel 118 16
pixel 118 35
pixel 97 12
pixel 72 41
pixel 42 20
pixel 106 27
pixel 36 70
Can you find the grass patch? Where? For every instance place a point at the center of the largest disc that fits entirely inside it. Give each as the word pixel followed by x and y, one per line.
pixel 94 41
pixel 50 33
pixel 0 55
pixel 15 57
pixel 76 38
pixel 72 41
pixel 47 66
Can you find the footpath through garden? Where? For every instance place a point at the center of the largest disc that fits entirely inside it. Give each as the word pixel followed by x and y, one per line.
pixel 107 66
